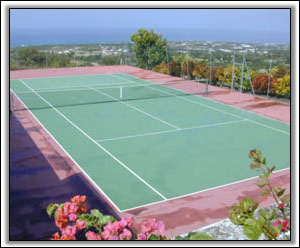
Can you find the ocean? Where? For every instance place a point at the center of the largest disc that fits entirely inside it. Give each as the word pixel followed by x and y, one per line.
pixel 30 37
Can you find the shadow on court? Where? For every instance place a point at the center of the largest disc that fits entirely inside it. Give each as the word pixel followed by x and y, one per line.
pixel 33 184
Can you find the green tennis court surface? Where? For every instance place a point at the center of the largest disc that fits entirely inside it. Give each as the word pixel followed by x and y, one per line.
pixel 142 143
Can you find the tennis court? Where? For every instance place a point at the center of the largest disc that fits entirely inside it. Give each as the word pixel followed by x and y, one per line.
pixel 142 143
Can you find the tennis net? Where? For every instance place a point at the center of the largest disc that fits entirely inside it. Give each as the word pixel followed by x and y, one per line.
pixel 54 98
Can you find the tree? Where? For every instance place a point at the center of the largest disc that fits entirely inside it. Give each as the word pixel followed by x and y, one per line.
pixel 31 56
pixel 58 60
pixel 188 68
pixel 186 63
pixel 150 48
pixel 260 82
pixel 227 75
pixel 111 60
pixel 175 68
pixel 282 86
pixel 215 73
pixel 247 83
pixel 278 72
pixel 220 74
pixel 162 68
pixel 201 70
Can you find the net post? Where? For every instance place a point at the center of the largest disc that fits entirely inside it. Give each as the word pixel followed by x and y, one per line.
pixel 269 78
pixel 206 87
pixel 233 73
pixel 242 75
pixel 121 93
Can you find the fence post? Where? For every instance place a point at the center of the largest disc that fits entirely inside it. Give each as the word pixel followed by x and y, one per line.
pixel 269 79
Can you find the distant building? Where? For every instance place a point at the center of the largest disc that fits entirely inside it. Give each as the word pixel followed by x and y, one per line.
pixel 245 45
pixel 225 50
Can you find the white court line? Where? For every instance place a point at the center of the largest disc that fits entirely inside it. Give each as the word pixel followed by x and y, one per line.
pixel 209 99
pixel 170 131
pixel 275 129
pixel 91 139
pixel 137 109
pixel 74 161
pixel 201 104
pixel 74 88
pixel 104 74
pixel 197 192
pixel 109 198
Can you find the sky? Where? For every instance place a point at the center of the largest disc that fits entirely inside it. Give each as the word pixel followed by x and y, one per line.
pixel 222 19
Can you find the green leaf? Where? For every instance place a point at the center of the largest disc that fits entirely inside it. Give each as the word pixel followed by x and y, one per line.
pixel 271 214
pixel 263 214
pixel 264 161
pixel 198 236
pixel 272 229
pixel 245 209
pixel 286 198
pixel 262 181
pixel 154 237
pixel 179 238
pixel 262 221
pixel 265 192
pixel 51 208
pixel 280 193
pixel 106 219
pixel 96 213
pixel 263 217
pixel 248 205
pixel 236 215
pixel 252 229
pixel 88 219
pixel 255 164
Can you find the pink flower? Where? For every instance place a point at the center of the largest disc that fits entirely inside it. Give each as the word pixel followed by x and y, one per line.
pixel 80 202
pixel 277 223
pixel 61 219
pixel 152 225
pixel 55 236
pixel 80 224
pixel 126 234
pixel 108 226
pixel 69 232
pixel 105 234
pixel 92 236
pixel 70 208
pixel 129 221
pixel 160 226
pixel 149 226
pixel 72 217
pixel 65 237
pixel 123 223
pixel 73 208
pixel 75 199
pixel 117 226
pixel 113 237
pixel 142 236
pixel 285 226
pixel 146 228
pixel 111 227
pixel 66 208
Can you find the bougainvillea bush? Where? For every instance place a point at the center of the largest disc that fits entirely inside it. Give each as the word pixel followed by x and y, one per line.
pixel 72 219
pixel 260 83
pixel 282 86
